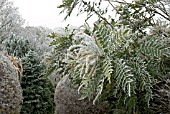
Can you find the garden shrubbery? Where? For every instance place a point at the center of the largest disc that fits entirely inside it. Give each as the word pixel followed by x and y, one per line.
pixel 118 66
pixel 37 88
pixel 10 89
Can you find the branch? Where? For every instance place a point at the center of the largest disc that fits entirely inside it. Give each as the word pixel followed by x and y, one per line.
pixel 167 18
pixel 2 4
pixel 71 9
pixel 162 8
pixel 103 18
pixel 1 27
pixel 116 1
pixel 112 5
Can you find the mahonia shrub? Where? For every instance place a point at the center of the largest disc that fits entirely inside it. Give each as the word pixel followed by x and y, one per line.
pixel 10 89
pixel 37 89
pixel 120 60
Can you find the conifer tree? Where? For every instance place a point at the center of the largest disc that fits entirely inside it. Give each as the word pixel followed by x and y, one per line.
pixel 17 46
pixel 37 89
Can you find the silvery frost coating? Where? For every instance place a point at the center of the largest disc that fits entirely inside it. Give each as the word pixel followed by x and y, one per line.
pixel 66 100
pixel 10 20
pixel 10 90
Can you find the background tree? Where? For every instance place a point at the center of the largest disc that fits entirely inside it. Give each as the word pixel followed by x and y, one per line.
pixel 37 36
pixel 10 20
pixel 37 89
pixel 17 46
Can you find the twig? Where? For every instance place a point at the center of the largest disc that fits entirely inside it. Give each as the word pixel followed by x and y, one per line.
pixel 85 3
pixel 112 5
pixel 167 18
pixel 120 2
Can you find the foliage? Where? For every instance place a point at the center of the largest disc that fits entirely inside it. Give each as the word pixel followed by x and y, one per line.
pixel 118 61
pixel 54 59
pixel 10 20
pixel 37 89
pixel 95 62
pixel 160 95
pixel 17 46
pixel 37 37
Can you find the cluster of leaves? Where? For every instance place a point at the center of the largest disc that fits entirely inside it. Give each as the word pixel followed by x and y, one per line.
pixel 54 60
pixel 118 61
pixel 111 61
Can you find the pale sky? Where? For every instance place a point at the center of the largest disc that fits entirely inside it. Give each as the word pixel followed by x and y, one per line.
pixel 45 13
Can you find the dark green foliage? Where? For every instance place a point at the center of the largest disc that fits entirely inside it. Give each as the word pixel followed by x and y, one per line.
pixel 161 96
pixel 17 46
pixel 37 89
